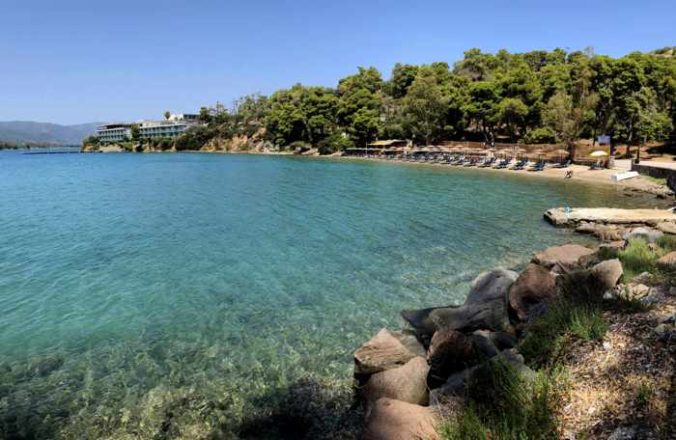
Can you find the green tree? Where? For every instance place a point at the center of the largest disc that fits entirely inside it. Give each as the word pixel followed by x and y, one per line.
pixel 403 76
pixel 135 133
pixel 512 112
pixel 425 107
pixel 360 105
pixel 482 107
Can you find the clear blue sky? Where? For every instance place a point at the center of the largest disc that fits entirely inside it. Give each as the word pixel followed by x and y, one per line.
pixel 72 61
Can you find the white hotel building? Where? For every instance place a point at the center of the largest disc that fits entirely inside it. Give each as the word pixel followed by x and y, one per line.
pixel 168 128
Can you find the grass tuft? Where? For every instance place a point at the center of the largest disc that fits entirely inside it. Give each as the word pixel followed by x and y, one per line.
pixel 587 324
pixel 637 258
pixel 667 242
pixel 502 405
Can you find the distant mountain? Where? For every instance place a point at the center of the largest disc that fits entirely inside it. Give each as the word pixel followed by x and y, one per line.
pixel 28 132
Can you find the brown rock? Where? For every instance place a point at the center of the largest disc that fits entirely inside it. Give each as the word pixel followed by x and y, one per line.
pixel 450 351
pixel 601 231
pixel 668 261
pixel 563 258
pixel 394 420
pixel 667 227
pixel 534 285
pixel 386 350
pixel 608 273
pixel 407 383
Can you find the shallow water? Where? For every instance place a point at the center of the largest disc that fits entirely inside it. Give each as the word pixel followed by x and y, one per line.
pixel 126 280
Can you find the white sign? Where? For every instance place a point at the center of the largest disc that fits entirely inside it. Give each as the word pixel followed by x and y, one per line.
pixel 603 139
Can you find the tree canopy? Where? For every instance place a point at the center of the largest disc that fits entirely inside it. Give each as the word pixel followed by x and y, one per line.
pixel 538 96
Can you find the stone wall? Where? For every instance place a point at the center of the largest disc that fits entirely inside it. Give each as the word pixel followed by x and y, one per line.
pixel 658 172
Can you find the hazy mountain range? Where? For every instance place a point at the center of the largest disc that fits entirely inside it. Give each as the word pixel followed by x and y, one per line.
pixel 29 132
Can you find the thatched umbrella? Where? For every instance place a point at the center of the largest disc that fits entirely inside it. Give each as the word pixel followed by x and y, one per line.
pixel 516 150
pixel 561 153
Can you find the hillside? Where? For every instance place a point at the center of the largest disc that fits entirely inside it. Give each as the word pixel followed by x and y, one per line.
pixel 23 132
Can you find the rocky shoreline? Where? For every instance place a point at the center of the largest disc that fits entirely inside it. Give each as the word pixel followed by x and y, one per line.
pixel 416 382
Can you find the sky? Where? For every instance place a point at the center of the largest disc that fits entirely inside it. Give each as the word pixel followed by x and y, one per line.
pixel 76 61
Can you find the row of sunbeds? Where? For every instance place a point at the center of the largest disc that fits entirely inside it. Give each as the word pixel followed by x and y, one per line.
pixel 493 162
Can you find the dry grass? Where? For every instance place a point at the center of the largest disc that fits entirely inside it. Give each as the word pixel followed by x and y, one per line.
pixel 624 381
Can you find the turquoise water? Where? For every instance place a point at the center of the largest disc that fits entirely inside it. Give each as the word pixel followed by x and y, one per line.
pixel 129 283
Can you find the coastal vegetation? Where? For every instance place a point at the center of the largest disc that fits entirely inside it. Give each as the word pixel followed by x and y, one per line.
pixel 533 97
pixel 581 330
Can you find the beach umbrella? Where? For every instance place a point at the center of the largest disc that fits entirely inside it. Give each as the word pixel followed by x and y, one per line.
pixel 598 154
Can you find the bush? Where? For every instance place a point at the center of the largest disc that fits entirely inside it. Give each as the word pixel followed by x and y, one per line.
pixel 334 143
pixel 542 135
pixel 194 138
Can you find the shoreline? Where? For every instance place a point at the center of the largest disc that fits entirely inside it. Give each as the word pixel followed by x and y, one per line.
pixel 581 173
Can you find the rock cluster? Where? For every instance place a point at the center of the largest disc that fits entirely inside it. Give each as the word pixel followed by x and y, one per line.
pixel 403 377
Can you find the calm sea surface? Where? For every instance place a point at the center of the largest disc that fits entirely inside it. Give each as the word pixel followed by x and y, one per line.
pixel 128 277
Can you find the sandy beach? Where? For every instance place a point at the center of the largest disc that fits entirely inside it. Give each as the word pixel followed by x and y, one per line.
pixel 579 173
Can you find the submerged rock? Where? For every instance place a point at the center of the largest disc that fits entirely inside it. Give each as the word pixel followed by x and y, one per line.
pixel 395 420
pixel 561 259
pixel 387 349
pixel 45 366
pixel 407 383
pixel 534 285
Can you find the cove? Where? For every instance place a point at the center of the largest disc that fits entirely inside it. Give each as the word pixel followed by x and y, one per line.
pixel 130 280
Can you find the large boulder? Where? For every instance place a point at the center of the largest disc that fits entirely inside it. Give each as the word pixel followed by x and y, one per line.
pixel 667 227
pixel 395 420
pixel 407 383
pixel 608 273
pixel 386 350
pixel 485 308
pixel 534 285
pixel 561 259
pixel 491 286
pixel 648 234
pixel 498 341
pixel 450 351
